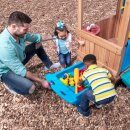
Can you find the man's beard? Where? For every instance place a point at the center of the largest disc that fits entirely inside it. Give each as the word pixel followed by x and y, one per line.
pixel 20 35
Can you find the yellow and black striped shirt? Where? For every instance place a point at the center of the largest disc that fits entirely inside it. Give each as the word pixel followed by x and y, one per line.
pixel 99 80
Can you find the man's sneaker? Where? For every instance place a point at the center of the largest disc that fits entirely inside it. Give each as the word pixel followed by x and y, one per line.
pixel 98 106
pixel 10 90
pixel 55 66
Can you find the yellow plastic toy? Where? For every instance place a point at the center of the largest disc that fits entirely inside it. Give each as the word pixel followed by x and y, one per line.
pixel 71 81
pixel 129 35
pixel 76 79
pixel 64 81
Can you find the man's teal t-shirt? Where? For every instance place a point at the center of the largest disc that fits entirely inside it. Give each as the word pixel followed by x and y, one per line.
pixel 12 53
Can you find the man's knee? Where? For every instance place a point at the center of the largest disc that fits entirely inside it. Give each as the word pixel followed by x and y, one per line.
pixel 31 90
pixel 38 45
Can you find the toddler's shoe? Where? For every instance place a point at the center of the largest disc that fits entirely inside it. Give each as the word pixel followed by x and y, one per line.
pixel 98 106
pixel 55 66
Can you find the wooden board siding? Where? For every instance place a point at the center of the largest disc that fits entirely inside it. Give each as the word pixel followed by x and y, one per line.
pixel 108 54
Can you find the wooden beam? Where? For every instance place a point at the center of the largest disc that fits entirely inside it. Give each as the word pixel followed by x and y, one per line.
pixel 81 56
pixel 80 14
pixel 100 41
pixel 118 16
pixel 124 25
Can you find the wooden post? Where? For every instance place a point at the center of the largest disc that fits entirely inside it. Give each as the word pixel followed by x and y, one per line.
pixel 124 26
pixel 118 17
pixel 80 14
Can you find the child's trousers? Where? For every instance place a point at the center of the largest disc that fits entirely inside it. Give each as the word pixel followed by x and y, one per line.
pixel 65 59
pixel 85 100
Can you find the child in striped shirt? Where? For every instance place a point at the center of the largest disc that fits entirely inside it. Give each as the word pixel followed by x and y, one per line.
pixel 102 90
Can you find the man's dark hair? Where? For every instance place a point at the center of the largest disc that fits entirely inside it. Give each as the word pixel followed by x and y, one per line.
pixel 19 18
pixel 90 58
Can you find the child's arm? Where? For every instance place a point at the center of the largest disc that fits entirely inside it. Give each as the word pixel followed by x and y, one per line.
pixel 81 42
pixel 110 76
pixel 80 82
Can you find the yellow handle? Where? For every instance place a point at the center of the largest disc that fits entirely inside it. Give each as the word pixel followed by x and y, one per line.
pixel 76 79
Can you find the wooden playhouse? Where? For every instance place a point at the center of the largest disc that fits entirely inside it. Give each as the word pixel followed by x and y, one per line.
pixel 109 45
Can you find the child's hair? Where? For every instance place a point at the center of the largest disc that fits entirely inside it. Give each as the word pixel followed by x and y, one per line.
pixel 61 27
pixel 90 58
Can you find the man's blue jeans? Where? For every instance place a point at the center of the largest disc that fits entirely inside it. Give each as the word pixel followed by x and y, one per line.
pixel 19 84
pixel 65 59
pixel 85 100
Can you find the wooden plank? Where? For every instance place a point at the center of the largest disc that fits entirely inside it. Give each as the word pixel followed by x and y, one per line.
pixel 100 41
pixel 124 25
pixel 96 51
pixel 117 62
pixel 91 48
pixel 111 59
pixel 107 57
pixel 100 53
pixel 81 55
pixel 80 13
pixel 103 52
pixel 118 17
pixel 83 48
pixel 109 32
pixel 87 47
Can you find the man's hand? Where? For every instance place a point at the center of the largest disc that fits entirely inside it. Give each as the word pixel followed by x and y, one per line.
pixel 45 84
pixel 33 77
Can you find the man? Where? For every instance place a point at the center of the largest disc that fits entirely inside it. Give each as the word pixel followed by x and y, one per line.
pixel 15 54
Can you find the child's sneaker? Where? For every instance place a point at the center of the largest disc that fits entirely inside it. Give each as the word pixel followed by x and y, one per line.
pixel 98 106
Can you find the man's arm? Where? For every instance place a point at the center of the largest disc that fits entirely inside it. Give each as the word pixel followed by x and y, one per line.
pixel 33 77
pixel 33 38
pixel 12 62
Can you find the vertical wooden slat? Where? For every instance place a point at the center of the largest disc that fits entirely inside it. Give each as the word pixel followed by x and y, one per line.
pixel 80 14
pixel 107 57
pixel 91 47
pixel 111 60
pixel 96 51
pixel 124 25
pixel 103 55
pixel 83 48
pixel 87 47
pixel 118 17
pixel 116 62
